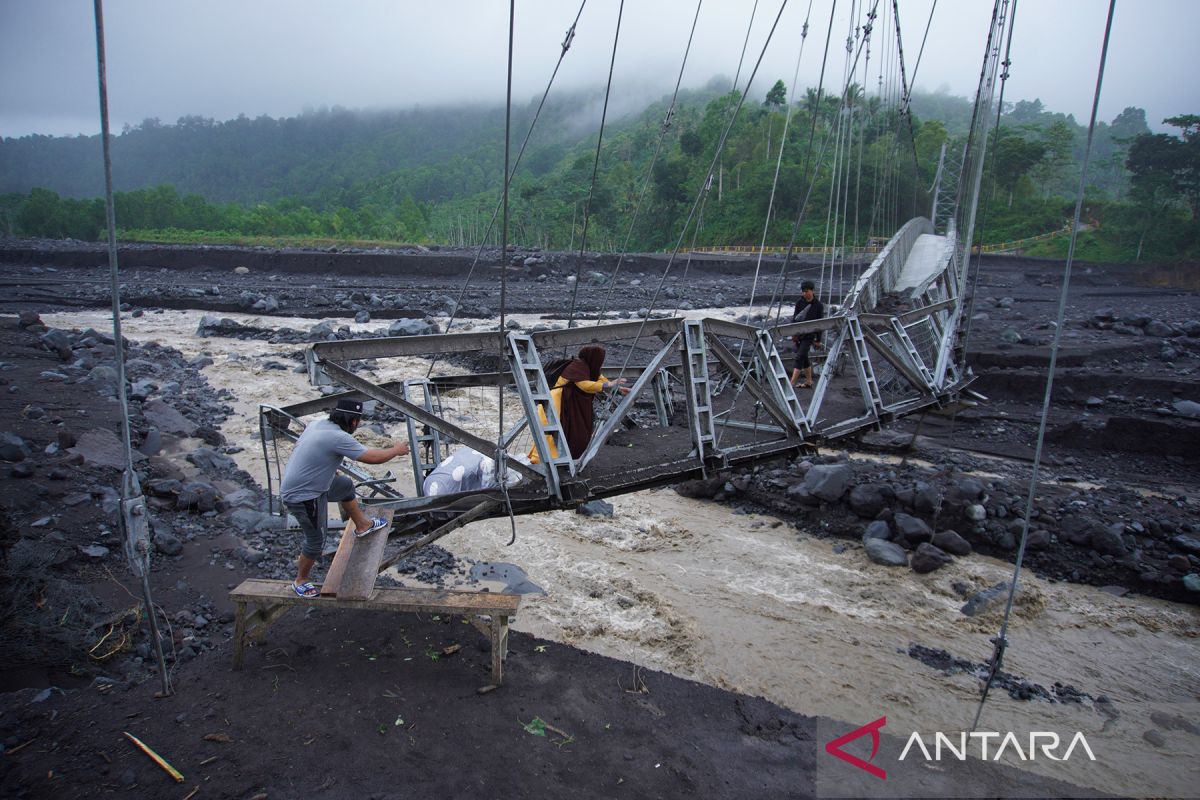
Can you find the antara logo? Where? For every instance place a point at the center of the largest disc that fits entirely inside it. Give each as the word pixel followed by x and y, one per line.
pixel 834 748
pixel 1046 741
pixel 985 745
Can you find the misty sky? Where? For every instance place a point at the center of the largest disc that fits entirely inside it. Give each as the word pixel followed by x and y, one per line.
pixel 221 58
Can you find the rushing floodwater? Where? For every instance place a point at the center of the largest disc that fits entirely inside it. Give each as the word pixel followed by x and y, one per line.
pixel 754 605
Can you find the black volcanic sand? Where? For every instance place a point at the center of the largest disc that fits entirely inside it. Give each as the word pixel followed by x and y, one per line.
pixel 352 704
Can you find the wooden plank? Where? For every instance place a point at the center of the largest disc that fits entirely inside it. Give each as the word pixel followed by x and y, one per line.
pixel 352 574
pixel 431 601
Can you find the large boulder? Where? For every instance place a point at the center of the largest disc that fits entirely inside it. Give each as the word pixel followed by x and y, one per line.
pixel 13 448
pixel 197 495
pixel 211 461
pixel 952 543
pixel 829 481
pixel 913 530
pixel 411 327
pixel 1109 540
pixel 886 553
pixel 58 342
pixel 879 529
pixel 928 558
pixel 868 499
pixel 167 418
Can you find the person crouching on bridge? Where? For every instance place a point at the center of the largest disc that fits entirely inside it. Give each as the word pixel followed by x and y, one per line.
pixel 573 393
pixel 808 308
pixel 311 480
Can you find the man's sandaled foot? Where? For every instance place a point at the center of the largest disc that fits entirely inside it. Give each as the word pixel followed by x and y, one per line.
pixel 376 524
pixel 305 589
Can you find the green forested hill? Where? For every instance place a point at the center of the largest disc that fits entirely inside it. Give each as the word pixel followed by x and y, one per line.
pixel 433 175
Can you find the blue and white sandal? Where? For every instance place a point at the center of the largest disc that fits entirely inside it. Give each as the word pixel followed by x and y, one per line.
pixel 376 524
pixel 305 589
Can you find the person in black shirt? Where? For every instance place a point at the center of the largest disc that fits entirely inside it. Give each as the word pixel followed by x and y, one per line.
pixel 808 308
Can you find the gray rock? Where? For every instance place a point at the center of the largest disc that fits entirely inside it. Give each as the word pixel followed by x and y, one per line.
pixel 1191 328
pixel 166 418
pixel 1188 544
pixel 912 530
pixel 1156 327
pixel 952 543
pixel 886 553
pixel 1010 335
pixel 94 551
pixel 197 495
pixel 879 529
pixel 829 481
pixel 1154 737
pixel 140 390
pixel 1108 540
pixel 1187 408
pixel 1127 330
pixel 13 448
pixel 29 319
pixel 1105 314
pixel 975 512
pixel 926 498
pixel 101 446
pixel 152 444
pixel 596 508
pixel 1039 539
pixel 363 316
pixel 980 602
pixel 247 520
pixel 103 374
pixel 969 489
pixel 321 331
pixel 868 499
pixel 242 498
pixel 212 325
pixel 211 461
pixel 58 342
pixel 927 558
pixel 411 327
pixel 268 304
pixel 167 543
pixel 1191 582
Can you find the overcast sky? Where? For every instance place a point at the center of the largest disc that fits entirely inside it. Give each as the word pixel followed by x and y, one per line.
pixel 221 58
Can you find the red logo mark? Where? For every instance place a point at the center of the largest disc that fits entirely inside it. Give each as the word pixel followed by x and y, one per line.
pixel 834 748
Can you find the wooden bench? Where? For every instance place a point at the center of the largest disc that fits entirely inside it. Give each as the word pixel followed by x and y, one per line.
pixel 272 599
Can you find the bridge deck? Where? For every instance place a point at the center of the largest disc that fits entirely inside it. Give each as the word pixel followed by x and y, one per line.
pixel 927 258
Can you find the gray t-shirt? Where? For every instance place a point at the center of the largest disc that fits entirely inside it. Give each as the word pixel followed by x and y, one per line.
pixel 314 462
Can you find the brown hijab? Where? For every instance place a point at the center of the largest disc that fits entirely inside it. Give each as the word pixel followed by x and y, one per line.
pixel 578 415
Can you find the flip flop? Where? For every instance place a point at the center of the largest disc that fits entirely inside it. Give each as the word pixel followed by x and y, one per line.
pixel 305 589
pixel 804 386
pixel 376 524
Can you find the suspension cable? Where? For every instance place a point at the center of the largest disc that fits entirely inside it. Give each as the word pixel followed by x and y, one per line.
pixel 587 205
pixel 969 300
pixel 705 184
pixel 568 39
pixel 778 164
pixel 501 461
pixel 745 42
pixel 131 490
pixel 666 126
pixel 1001 640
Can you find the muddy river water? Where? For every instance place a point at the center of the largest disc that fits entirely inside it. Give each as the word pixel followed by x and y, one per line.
pixel 767 607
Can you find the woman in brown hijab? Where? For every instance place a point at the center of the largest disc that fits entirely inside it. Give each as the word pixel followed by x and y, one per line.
pixel 573 394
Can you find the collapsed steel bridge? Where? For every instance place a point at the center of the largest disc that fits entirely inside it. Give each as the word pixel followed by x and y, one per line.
pixel 708 394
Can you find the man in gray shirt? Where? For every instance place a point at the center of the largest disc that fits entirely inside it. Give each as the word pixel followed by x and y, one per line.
pixel 311 480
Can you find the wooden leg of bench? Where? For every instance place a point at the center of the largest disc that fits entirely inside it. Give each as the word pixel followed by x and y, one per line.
pixel 504 638
pixel 264 618
pixel 239 636
pixel 498 641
